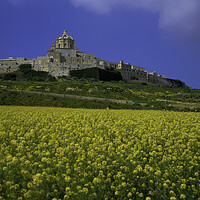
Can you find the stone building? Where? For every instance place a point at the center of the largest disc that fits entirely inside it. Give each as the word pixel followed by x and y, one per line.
pixel 64 56
pixel 130 72
pixel 11 64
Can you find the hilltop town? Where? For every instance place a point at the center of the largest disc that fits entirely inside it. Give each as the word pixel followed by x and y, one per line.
pixel 64 57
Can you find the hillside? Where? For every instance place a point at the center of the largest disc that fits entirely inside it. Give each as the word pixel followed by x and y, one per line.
pixel 134 95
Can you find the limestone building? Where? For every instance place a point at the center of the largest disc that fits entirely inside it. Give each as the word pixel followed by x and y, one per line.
pixel 64 56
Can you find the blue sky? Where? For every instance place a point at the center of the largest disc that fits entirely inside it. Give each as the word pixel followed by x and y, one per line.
pixel 159 35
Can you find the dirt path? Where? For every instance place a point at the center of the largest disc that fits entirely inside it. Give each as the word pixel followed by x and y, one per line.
pixel 76 97
pixel 180 105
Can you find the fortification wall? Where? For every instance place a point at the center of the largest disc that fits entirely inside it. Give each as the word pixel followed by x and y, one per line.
pixel 11 65
pixel 60 69
pixel 133 74
pixel 159 81
pixel 7 66
pixel 165 82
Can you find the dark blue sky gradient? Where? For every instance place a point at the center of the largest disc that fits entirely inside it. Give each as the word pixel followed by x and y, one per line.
pixel 28 29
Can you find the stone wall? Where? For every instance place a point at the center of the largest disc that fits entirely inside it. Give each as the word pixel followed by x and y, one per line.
pixel 7 66
pixel 130 72
pixel 161 81
pixel 56 68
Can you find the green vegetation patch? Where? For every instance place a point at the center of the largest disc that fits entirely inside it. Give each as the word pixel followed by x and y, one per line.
pixel 144 96
pixel 97 73
pixel 26 72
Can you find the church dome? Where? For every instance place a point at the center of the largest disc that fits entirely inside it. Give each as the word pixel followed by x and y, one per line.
pixel 65 36
pixel 65 41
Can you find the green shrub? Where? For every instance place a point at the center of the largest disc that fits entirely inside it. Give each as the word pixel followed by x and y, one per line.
pixel 26 73
pixel 8 76
pixel 97 73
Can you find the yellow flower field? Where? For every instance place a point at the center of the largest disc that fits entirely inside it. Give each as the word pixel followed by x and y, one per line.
pixel 55 153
